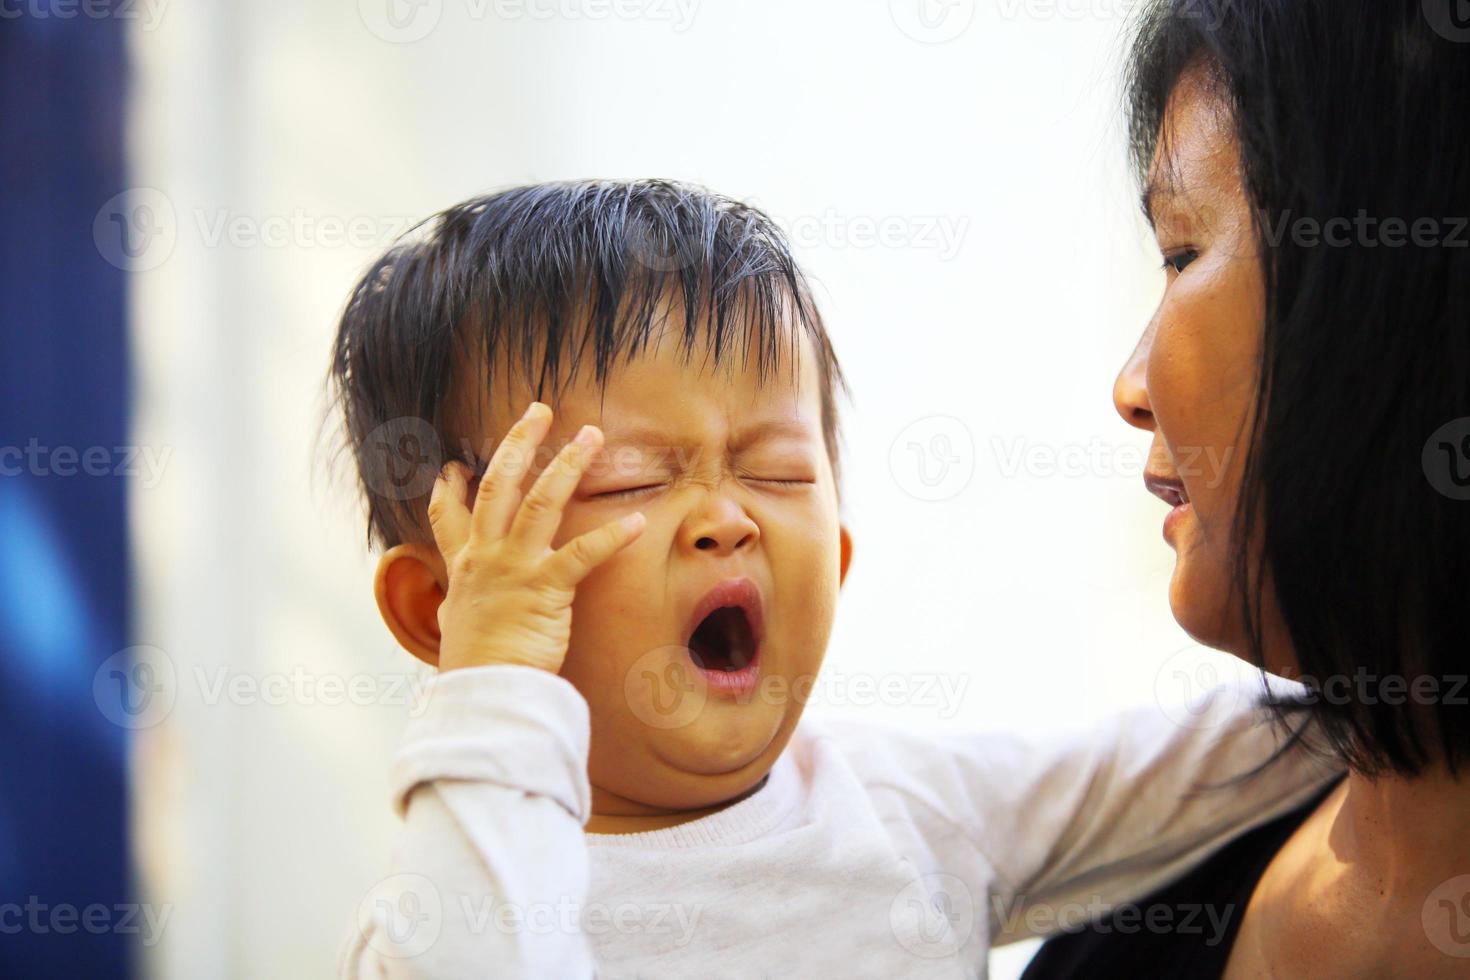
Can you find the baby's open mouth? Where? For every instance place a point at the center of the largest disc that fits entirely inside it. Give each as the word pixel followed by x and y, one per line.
pixel 724 640
pixel 726 630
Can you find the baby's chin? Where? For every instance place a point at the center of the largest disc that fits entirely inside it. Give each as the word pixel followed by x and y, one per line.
pixel 716 758
pixel 728 740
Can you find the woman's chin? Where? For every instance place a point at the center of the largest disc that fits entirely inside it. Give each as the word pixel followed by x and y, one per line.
pixel 1200 606
pixel 1203 604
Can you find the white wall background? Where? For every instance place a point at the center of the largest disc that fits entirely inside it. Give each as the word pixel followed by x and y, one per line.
pixel 953 175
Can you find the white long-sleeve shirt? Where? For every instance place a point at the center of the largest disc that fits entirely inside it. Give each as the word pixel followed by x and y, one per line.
pixel 868 851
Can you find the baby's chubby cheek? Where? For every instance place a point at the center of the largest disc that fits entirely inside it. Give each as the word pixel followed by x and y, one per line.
pixel 623 601
pixel 805 569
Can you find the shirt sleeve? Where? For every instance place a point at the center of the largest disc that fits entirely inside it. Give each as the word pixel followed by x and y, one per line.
pixel 1159 792
pixel 1049 831
pixel 490 865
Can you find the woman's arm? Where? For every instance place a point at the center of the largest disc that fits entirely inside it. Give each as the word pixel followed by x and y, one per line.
pixel 1047 831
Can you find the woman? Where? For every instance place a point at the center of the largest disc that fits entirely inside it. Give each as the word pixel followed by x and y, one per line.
pixel 1306 166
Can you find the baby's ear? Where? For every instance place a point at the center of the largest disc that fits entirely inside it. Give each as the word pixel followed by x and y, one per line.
pixel 846 543
pixel 409 586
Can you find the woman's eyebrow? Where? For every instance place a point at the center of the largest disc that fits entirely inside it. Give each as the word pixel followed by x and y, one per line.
pixel 1146 204
pixel 1156 190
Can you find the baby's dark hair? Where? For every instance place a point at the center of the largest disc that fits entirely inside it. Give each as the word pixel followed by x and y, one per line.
pixel 546 280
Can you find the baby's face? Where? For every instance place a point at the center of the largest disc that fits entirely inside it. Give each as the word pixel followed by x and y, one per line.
pixel 733 476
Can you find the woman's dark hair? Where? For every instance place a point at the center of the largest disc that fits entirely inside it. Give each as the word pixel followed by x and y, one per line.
pixel 551 281
pixel 1353 489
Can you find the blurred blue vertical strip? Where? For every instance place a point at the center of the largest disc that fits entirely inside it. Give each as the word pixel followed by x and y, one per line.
pixel 64 565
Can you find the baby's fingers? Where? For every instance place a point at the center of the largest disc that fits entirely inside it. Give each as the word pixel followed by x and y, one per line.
pixel 449 517
pixel 574 560
pixel 540 515
pixel 499 495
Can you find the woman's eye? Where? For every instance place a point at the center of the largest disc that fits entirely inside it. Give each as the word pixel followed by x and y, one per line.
pixel 1179 261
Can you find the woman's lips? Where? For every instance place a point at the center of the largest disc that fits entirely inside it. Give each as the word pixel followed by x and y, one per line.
pixel 1172 519
pixel 1170 489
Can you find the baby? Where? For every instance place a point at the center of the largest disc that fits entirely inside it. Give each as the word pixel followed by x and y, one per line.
pixel 628 589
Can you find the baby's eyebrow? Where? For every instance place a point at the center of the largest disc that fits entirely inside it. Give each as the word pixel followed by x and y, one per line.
pixel 654 437
pixel 770 429
pixel 646 436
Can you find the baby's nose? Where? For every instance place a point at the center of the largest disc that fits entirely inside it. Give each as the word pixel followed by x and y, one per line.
pixel 719 526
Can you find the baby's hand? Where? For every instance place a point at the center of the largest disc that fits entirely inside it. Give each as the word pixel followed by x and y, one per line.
pixel 509 598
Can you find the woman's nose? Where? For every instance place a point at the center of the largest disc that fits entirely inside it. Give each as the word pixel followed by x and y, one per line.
pixel 720 526
pixel 1130 390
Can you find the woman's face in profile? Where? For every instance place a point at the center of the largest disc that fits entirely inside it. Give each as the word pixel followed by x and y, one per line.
pixel 1192 379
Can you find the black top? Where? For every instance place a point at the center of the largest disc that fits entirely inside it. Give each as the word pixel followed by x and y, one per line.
pixel 1183 930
